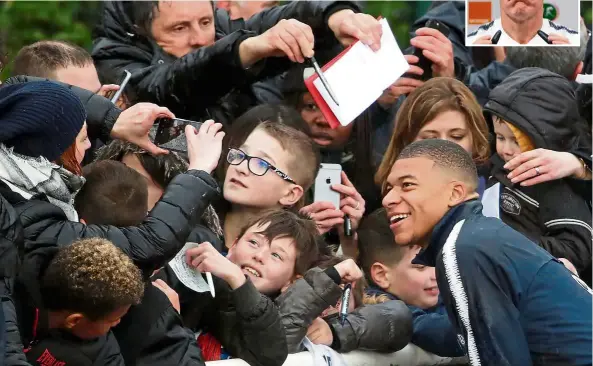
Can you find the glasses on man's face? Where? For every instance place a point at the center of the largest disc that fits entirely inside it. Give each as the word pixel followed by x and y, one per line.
pixel 257 166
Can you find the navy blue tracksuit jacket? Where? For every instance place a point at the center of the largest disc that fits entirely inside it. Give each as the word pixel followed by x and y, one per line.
pixel 511 302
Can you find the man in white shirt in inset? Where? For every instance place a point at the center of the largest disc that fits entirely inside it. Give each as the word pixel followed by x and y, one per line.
pixel 519 24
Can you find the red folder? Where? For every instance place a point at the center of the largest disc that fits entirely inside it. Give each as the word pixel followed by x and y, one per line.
pixel 321 103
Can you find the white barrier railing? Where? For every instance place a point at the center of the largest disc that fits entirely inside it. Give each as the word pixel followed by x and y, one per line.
pixel 410 355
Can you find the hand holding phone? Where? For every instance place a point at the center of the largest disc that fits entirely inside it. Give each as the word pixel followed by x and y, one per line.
pixel 325 211
pixel 329 174
pixel 204 146
pixel 424 63
pixel 171 128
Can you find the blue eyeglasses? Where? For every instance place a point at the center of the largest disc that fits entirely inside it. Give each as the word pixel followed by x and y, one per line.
pixel 257 166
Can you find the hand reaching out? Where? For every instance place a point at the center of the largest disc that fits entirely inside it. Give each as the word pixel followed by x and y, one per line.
pixel 349 271
pixel 205 258
pixel 134 124
pixel 204 146
pixel 170 293
pixel 319 332
pixel 438 49
pixel 349 27
pixel 551 165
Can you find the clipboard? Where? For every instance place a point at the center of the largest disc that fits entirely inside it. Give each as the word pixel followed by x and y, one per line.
pixel 329 115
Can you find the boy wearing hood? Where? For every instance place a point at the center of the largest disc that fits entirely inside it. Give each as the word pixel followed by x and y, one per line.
pixel 551 214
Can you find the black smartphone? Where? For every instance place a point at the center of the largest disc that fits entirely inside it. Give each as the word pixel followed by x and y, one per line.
pixel 170 128
pixel 114 95
pixel 424 63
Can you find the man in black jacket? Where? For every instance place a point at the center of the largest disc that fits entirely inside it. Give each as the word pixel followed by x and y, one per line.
pixel 187 55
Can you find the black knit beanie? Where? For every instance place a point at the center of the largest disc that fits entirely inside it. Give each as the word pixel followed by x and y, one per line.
pixel 39 118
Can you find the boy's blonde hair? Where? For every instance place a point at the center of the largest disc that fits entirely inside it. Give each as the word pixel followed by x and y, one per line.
pixel 374 299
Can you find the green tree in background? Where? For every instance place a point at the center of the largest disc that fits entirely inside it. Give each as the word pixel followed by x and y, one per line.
pixel 26 22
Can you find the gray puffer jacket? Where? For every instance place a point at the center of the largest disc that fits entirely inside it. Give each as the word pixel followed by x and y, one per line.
pixel 383 327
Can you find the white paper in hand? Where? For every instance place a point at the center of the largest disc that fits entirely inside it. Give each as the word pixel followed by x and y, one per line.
pixel 189 276
pixel 361 75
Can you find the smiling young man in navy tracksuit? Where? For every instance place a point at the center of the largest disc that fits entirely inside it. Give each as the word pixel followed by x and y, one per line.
pixel 511 302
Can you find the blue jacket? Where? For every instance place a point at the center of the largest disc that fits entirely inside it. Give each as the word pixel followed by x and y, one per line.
pixel 432 329
pixel 510 300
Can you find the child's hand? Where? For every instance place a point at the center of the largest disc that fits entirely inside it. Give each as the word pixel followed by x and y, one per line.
pixel 319 332
pixel 205 258
pixel 205 146
pixel 171 294
pixel 349 271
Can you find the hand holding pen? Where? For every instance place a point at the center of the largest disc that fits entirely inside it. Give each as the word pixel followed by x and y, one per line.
pixel 349 273
pixel 352 204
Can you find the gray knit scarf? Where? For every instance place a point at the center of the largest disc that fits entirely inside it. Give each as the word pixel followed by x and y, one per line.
pixel 29 177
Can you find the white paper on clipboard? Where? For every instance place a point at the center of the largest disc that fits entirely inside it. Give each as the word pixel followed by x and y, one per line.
pixel 189 276
pixel 361 75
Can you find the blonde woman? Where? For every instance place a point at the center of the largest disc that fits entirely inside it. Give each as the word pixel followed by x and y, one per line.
pixel 442 108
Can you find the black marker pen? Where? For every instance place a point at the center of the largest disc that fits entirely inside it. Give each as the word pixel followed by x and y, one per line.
pixel 496 37
pixel 544 36
pixel 347 226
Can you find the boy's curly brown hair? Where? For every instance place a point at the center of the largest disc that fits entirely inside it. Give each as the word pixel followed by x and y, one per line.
pixel 92 277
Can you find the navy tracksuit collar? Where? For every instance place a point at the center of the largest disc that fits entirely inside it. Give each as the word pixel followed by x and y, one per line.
pixel 441 231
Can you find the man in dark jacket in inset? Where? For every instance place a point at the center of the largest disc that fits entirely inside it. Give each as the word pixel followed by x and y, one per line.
pixel 187 55
pixel 510 301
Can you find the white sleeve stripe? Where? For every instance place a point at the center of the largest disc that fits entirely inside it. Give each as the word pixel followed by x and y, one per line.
pixel 458 292
pixel 568 222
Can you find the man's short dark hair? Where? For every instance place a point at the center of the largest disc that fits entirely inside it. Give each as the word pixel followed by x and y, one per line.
pixel 376 243
pixel 290 224
pixel 92 277
pixel 113 194
pixel 445 154
pixel 44 58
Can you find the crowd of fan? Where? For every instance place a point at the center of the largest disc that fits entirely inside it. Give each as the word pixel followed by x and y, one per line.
pixel 92 211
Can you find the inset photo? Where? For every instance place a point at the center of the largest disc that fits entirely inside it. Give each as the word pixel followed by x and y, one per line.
pixel 522 23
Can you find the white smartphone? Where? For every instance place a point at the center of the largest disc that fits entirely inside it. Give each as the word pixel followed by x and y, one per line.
pixel 328 175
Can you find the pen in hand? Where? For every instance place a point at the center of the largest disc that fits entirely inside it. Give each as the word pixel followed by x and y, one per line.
pixel 324 81
pixel 210 284
pixel 347 226
pixel 345 303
